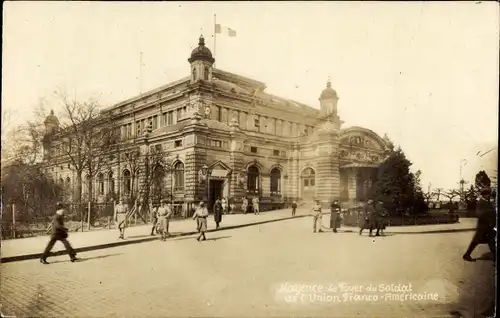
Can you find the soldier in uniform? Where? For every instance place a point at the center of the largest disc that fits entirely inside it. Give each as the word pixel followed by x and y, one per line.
pixel 486 226
pixel 244 205
pixel 317 216
pixel 164 214
pixel 379 218
pixel 218 210
pixel 294 208
pixel 255 204
pixel 59 233
pixel 121 210
pixel 335 215
pixel 154 216
pixel 201 215
pixel 367 219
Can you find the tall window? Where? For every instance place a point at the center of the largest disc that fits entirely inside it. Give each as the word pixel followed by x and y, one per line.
pixel 155 122
pixel 278 127
pixel 68 183
pixel 206 73
pixel 179 176
pixel 243 120
pixel 253 179
pixel 100 180
pixel 224 113
pixel 194 74
pixel 127 186
pixel 111 183
pixel 275 181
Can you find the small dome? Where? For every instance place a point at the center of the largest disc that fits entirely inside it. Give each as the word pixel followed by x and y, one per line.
pixel 51 119
pixel 201 52
pixel 328 92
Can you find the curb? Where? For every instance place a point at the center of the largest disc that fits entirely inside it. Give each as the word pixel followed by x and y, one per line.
pixel 25 257
pixel 472 229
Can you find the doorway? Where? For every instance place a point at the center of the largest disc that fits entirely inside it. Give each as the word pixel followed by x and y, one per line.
pixel 216 187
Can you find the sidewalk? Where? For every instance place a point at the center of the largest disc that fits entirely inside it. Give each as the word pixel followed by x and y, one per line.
pixel 31 248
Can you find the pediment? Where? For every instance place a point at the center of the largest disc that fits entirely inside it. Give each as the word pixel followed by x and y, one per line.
pixel 219 165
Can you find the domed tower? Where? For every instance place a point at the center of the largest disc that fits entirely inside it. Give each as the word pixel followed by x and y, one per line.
pixel 201 61
pixel 328 100
pixel 51 127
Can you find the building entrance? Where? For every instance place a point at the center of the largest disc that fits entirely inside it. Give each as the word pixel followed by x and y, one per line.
pixel 216 188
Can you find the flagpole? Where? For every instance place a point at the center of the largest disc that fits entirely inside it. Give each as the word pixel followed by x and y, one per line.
pixel 140 76
pixel 215 35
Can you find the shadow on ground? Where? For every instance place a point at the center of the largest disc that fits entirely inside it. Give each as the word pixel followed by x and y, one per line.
pixel 88 258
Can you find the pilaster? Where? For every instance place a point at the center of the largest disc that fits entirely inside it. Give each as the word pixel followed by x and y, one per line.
pixel 351 184
pixel 236 158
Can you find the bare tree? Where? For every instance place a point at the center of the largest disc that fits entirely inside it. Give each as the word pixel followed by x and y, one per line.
pixel 83 137
pixel 451 194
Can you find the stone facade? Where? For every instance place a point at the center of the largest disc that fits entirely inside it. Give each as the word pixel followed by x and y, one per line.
pixel 253 143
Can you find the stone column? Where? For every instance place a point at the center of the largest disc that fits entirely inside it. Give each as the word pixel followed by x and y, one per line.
pixel 294 174
pixel 266 184
pixel 351 184
pixel 327 166
pixel 237 181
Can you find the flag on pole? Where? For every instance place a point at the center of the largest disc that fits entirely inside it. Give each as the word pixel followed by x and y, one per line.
pixel 219 29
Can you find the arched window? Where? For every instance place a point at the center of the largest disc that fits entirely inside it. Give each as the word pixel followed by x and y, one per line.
pixel 206 74
pixel 127 186
pixel 100 181
pixel 179 176
pixel 309 177
pixel 275 181
pixel 194 74
pixel 61 181
pixel 157 183
pixel 253 179
pixel 68 183
pixel 111 183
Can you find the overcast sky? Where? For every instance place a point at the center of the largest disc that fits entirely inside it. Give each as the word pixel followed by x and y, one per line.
pixel 424 73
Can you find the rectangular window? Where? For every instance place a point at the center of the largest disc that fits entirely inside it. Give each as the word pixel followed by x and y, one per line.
pixel 155 122
pixel 179 114
pixel 138 128
pixel 276 153
pixel 217 143
pixel 178 143
pixel 253 149
pixel 243 120
pixel 170 118
pixel 129 130
pixel 158 148
pixel 312 182
pixel 164 119
pixel 257 123
pixel 283 153
pixel 306 182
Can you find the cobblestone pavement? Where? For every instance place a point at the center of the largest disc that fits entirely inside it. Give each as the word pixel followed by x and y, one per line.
pixel 238 273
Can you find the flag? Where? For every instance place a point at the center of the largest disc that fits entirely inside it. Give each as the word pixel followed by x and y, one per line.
pixel 219 29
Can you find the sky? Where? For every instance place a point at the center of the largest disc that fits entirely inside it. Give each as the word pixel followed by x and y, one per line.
pixel 425 73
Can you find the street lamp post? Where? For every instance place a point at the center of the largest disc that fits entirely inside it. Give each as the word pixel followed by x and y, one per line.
pixel 207 172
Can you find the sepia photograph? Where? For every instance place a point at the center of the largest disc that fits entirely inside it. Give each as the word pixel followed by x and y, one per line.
pixel 249 159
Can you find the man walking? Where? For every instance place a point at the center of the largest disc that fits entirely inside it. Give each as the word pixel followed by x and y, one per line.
pixel 294 208
pixel 486 223
pixel 368 218
pixel 255 204
pixel 218 210
pixel 164 214
pixel 154 217
pixel 59 233
pixel 335 216
pixel 121 210
pixel 201 215
pixel 317 216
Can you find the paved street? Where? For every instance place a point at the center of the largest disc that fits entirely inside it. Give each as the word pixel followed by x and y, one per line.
pixel 237 273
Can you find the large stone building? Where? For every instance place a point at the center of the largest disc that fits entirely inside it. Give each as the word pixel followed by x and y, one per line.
pixel 253 143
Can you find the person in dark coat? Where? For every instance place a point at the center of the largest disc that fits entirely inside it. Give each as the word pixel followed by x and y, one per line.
pixel 335 215
pixel 218 210
pixel 486 226
pixel 367 220
pixel 379 218
pixel 59 233
pixel 294 208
